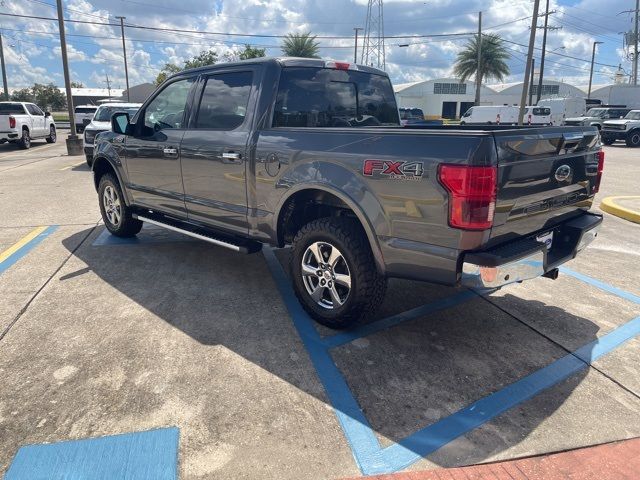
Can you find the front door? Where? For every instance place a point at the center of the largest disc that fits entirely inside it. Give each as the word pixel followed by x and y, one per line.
pixel 214 151
pixel 153 152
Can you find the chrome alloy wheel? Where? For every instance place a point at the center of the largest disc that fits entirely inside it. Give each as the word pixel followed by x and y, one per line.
pixel 112 205
pixel 326 275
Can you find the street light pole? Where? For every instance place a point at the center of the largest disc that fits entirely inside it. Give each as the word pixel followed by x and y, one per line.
pixel 4 71
pixel 532 39
pixel 355 49
pixel 124 53
pixel 593 58
pixel 479 61
pixel 74 144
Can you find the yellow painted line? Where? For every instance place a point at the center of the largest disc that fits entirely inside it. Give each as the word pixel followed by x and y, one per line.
pixel 21 243
pixel 609 205
pixel 72 166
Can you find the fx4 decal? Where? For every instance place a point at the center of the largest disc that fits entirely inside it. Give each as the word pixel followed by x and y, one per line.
pixel 398 170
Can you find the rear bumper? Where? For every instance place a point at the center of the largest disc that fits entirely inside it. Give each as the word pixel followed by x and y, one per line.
pixel 527 258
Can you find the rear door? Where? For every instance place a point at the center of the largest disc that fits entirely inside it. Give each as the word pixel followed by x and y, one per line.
pixel 214 149
pixel 153 152
pixel 37 120
pixel 545 175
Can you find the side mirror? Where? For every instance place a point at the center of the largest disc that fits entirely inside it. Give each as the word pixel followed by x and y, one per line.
pixel 120 123
pixel 47 114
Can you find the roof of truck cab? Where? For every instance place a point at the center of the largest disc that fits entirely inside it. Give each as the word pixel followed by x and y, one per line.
pixel 283 61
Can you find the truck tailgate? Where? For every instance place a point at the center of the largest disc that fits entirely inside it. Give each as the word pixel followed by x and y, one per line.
pixel 545 176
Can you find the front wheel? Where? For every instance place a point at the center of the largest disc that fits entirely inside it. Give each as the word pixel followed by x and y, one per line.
pixel 52 135
pixel 334 273
pixel 633 139
pixel 89 158
pixel 117 216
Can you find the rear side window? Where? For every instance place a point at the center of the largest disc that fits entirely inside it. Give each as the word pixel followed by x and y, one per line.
pixel 322 97
pixel 223 105
pixel 542 111
pixel 11 109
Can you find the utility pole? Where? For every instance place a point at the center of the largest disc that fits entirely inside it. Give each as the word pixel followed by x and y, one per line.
pixel 108 82
pixel 532 39
pixel 124 53
pixel 74 144
pixel 4 71
pixel 593 59
pixel 355 49
pixel 544 47
pixel 479 61
pixel 635 46
pixel 533 69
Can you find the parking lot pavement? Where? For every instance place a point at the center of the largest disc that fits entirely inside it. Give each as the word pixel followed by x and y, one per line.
pixel 102 338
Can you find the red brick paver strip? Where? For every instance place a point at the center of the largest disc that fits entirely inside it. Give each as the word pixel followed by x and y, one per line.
pixel 612 461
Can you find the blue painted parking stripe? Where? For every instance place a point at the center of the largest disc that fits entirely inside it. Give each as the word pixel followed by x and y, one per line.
pixel 26 248
pixel 132 456
pixel 601 285
pixel 389 322
pixel 370 457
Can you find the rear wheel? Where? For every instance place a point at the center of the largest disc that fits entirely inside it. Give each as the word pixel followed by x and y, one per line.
pixel 633 139
pixel 52 135
pixel 117 216
pixel 334 273
pixel 25 140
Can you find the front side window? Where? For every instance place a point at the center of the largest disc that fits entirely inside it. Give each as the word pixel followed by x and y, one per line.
pixel 634 115
pixel 323 97
pixel 224 101
pixel 166 110
pixel 468 112
pixel 33 110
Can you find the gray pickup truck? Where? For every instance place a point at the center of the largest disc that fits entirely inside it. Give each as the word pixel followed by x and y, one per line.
pixel 311 153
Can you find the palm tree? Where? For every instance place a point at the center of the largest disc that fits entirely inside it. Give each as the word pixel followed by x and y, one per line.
pixel 300 45
pixel 493 61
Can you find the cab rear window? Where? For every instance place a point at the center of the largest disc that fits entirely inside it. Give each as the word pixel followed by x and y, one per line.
pixel 323 97
pixel 11 109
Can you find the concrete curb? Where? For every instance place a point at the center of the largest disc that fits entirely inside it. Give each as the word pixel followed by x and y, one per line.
pixel 609 205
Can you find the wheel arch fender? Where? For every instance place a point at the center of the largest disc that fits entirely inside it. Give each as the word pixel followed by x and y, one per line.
pixel 102 165
pixel 342 183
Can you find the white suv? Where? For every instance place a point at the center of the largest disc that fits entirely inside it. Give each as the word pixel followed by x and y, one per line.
pixel 627 129
pixel 83 115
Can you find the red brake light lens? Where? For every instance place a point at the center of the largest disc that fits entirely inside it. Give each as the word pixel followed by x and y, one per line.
pixel 12 122
pixel 596 185
pixel 472 195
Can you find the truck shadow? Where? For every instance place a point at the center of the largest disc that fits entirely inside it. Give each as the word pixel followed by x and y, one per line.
pixel 404 379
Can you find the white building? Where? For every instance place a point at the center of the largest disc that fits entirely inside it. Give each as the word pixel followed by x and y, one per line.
pixel 449 98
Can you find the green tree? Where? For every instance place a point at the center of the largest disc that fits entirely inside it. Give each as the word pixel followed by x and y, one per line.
pixel 208 57
pixel 77 85
pixel 493 60
pixel 300 45
pixel 22 95
pixel 250 52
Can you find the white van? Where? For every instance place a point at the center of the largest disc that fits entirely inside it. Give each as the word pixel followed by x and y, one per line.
pixel 563 108
pixel 505 115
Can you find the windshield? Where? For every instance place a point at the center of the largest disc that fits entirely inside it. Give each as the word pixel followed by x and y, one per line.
pixel 104 113
pixel 635 115
pixel 596 112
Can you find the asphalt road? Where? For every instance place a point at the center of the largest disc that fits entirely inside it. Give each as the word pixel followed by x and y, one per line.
pixel 102 338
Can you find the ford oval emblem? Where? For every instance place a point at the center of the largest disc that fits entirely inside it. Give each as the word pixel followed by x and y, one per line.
pixel 563 173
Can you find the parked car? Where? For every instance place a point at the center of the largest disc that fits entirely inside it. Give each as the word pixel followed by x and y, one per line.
pixel 505 115
pixel 21 122
pixel 563 108
pixel 322 162
pixel 596 116
pixel 627 129
pixel 83 115
pixel 101 122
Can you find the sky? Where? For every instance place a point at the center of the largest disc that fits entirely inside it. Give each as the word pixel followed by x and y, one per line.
pixel 32 47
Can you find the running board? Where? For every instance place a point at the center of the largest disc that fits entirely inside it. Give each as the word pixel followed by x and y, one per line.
pixel 251 247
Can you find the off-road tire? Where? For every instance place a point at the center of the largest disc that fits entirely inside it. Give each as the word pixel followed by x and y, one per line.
pixel 52 135
pixel 367 285
pixel 633 139
pixel 25 141
pixel 127 225
pixel 89 159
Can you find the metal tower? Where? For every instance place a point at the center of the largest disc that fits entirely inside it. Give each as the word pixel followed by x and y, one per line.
pixel 373 45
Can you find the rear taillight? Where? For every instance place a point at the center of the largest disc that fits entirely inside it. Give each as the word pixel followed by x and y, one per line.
pixel 12 122
pixel 472 195
pixel 596 185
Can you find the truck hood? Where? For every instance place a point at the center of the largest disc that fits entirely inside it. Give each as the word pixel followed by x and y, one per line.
pixel 583 119
pixel 622 121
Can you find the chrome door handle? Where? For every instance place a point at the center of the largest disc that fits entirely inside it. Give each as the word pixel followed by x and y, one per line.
pixel 231 156
pixel 170 151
